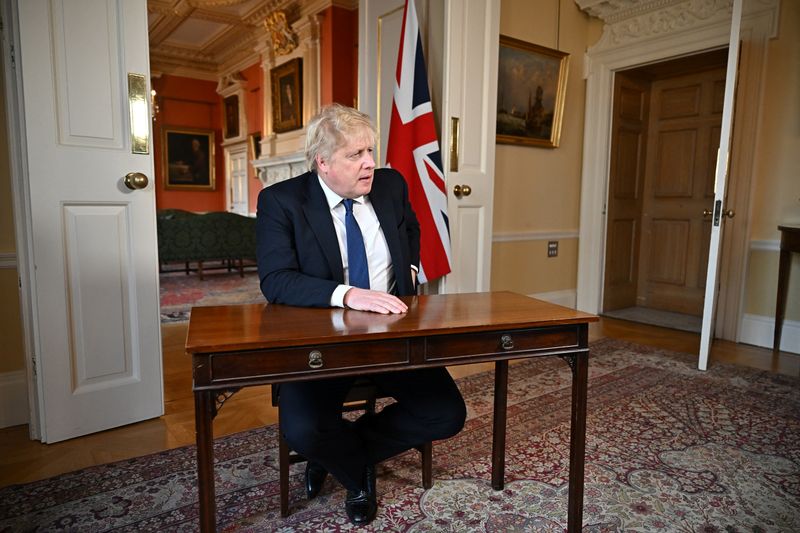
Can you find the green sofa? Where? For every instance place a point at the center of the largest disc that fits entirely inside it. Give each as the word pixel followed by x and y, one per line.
pixel 224 238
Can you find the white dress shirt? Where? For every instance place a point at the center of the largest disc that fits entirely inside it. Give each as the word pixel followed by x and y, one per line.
pixel 381 271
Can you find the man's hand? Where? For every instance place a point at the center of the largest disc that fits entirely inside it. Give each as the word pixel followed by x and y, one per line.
pixel 375 301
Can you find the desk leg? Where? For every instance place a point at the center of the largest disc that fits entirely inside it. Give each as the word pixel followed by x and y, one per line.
pixel 204 411
pixel 780 305
pixel 499 429
pixel 577 441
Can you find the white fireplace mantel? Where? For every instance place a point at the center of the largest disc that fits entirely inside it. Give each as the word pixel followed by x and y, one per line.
pixel 281 167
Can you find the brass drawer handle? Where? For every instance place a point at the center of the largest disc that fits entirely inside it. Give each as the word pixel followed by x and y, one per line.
pixel 507 342
pixel 315 359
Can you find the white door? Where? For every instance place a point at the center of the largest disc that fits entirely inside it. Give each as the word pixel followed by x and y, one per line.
pixel 95 294
pixel 236 166
pixel 465 60
pixel 469 109
pixel 720 179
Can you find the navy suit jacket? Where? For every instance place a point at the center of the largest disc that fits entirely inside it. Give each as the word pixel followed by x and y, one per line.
pixel 299 262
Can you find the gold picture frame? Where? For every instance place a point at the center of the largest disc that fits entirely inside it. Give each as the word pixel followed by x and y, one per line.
pixel 287 96
pixel 531 88
pixel 254 145
pixel 188 159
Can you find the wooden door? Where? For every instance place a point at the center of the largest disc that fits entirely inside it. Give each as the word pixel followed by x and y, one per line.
pixel 683 136
pixel 95 292
pixel 626 182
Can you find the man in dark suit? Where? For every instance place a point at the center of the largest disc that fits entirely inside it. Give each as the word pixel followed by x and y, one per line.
pixel 344 235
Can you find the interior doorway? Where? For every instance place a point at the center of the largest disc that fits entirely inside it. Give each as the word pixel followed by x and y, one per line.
pixel 665 133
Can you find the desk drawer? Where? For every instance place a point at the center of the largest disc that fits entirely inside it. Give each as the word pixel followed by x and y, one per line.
pixel 307 360
pixel 514 341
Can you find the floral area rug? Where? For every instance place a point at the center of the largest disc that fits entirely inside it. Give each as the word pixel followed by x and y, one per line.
pixel 669 448
pixel 179 292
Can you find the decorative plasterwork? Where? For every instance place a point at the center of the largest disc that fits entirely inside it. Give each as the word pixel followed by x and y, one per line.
pixel 231 84
pixel 178 44
pixel 632 21
pixel 283 37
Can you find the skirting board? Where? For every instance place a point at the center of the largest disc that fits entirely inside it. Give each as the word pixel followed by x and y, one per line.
pixel 567 298
pixel 759 331
pixel 13 399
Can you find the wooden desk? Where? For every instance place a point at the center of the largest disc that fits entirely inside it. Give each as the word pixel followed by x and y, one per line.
pixel 239 346
pixel 790 242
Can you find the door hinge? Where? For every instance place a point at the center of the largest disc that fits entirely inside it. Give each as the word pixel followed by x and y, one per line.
pixel 34 368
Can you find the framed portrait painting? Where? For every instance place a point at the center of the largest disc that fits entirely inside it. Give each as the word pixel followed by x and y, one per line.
pixel 287 96
pixel 188 159
pixel 231 105
pixel 531 86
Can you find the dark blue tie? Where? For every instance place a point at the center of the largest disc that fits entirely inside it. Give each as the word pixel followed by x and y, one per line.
pixel 356 253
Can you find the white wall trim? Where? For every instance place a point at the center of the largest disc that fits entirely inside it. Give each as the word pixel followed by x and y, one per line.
pixel 13 399
pixel 566 297
pixel 765 246
pixel 513 236
pixel 8 260
pixel 759 331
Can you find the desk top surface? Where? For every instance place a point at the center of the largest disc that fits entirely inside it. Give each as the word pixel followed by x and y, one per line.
pixel 260 326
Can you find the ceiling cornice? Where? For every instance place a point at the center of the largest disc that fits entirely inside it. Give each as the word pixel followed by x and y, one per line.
pixel 240 34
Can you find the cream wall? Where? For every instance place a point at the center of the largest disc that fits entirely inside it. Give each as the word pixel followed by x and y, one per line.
pixel 11 350
pixel 537 190
pixel 776 188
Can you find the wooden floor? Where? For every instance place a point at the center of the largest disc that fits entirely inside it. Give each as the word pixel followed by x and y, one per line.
pixel 23 460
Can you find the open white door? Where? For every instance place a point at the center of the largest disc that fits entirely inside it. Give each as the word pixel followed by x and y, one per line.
pixel 469 112
pixel 720 180
pixel 95 283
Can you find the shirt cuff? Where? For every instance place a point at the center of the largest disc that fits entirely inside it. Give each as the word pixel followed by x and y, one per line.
pixel 337 298
pixel 415 268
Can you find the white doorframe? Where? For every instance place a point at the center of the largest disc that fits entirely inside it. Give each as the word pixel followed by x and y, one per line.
pixel 619 49
pixel 17 154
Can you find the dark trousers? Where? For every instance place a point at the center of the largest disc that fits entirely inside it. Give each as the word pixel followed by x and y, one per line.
pixel 428 407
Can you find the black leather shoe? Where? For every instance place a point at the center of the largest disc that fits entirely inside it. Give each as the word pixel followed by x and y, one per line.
pixel 361 507
pixel 315 477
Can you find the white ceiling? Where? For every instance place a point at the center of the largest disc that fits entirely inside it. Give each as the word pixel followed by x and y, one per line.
pixel 206 38
pixel 210 39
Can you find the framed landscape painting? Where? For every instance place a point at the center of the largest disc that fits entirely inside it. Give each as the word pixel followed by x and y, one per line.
pixel 188 159
pixel 531 86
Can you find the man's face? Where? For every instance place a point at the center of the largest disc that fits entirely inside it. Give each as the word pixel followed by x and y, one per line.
pixel 349 170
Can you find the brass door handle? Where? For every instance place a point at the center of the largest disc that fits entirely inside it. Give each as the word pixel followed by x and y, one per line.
pixel 730 213
pixel 135 181
pixel 707 212
pixel 462 190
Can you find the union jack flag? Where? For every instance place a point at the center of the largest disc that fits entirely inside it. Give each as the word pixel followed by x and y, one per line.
pixel 413 150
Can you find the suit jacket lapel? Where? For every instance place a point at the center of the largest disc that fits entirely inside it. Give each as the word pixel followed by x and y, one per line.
pixel 385 210
pixel 319 219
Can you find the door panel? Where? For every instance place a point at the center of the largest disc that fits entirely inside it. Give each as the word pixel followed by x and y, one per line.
pixel 94 241
pixel 683 130
pixel 237 178
pixel 629 142
pixel 470 97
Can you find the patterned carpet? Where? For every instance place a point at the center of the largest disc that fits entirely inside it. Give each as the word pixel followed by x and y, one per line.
pixel 180 292
pixel 668 449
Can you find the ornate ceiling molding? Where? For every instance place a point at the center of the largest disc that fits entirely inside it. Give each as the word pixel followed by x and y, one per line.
pixel 175 24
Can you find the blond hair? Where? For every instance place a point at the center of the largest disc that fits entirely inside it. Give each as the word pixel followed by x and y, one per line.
pixel 332 127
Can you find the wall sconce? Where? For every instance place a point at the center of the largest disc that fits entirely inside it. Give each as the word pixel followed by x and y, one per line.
pixel 154 109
